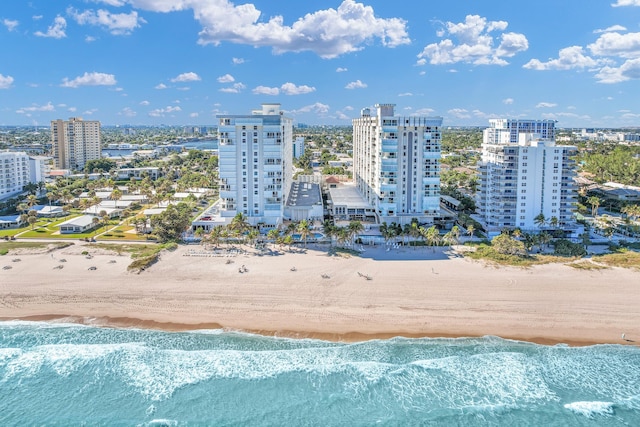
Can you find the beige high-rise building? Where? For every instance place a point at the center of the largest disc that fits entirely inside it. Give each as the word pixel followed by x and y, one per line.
pixel 74 142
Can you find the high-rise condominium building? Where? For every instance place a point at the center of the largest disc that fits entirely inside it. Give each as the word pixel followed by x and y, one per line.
pixel 525 174
pixel 255 164
pixel 396 164
pixel 75 142
pixel 15 173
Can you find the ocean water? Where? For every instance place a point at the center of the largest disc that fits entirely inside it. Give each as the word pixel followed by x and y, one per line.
pixel 61 374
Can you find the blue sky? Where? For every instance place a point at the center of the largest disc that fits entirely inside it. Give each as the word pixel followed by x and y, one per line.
pixel 184 61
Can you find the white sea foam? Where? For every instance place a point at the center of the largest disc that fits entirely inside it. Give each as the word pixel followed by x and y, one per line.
pixel 591 409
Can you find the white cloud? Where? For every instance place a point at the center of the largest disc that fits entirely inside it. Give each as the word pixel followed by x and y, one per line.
pixel 89 112
pixel 340 70
pixel 616 44
pixel 626 3
pixel 186 77
pixel 5 81
pixel 475 43
pixel 194 115
pixel 236 88
pixel 348 108
pixel 183 88
pixel 55 30
pixel 36 108
pixel 356 85
pixel 90 79
pixel 610 29
pixel 507 101
pixel 328 33
pixel 630 69
pixel 405 94
pixel 161 86
pixel 89 39
pixel 10 24
pixel 317 108
pixel 145 102
pixel 72 109
pixel 227 78
pixel 36 17
pixel 265 90
pixel 115 3
pixel 291 89
pixel 115 23
pixel 424 111
pixel 459 113
pixel 546 105
pixel 127 112
pixel 568 58
pixel 161 112
pixel 237 61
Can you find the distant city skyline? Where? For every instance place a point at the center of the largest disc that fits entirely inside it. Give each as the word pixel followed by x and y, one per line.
pixel 182 62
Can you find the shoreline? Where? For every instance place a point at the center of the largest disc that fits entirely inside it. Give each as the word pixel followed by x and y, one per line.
pixel 412 293
pixel 349 337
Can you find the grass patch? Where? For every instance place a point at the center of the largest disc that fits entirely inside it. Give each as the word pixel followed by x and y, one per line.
pixel 143 256
pixel 587 265
pixel 343 252
pixel 6 247
pixel 622 258
pixel 487 253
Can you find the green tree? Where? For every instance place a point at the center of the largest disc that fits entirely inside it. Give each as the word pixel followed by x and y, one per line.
pixel 594 201
pixel 507 245
pixel 304 229
pixel 540 220
pixel 170 224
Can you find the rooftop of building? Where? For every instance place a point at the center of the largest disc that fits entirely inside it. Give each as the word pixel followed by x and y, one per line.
pixel 304 194
pixel 348 195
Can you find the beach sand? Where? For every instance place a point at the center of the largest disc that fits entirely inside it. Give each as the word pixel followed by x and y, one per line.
pixel 412 292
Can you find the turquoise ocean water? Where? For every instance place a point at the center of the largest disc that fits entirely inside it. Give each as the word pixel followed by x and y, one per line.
pixel 60 374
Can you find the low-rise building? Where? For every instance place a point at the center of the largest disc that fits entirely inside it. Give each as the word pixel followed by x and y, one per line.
pixel 77 225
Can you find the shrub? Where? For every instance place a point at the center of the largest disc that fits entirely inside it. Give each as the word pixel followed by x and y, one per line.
pixel 564 247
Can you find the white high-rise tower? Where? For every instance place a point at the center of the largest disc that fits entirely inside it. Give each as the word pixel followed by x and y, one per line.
pixel 396 164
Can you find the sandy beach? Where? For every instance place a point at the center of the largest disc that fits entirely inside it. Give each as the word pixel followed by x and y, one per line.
pixel 408 292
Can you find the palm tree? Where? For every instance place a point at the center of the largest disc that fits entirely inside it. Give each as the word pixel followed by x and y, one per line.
pixel 553 222
pixel 432 235
pixel 455 233
pixel 273 235
pixel 516 233
pixel 342 235
pixel 32 200
pixel 95 221
pixel 448 239
pixel 22 207
pixel 304 229
pixel 539 220
pixel 355 228
pixel 329 230
pixel 470 230
pixel 239 225
pixel 632 211
pixel 544 238
pixel 594 201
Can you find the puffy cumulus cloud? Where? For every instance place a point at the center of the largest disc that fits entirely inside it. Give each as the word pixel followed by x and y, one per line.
pixel 568 58
pixel 341 70
pixel 145 103
pixel 317 108
pixel 291 89
pixel 90 79
pixel 161 112
pixel 5 81
pixel 89 39
pixel 127 112
pixel 546 105
pixel 459 113
pixel 237 61
pixel 423 112
pixel 616 44
pixel 356 85
pixel 55 30
pixel 115 3
pixel 186 77
pixel 610 29
pixel 115 23
pixel 342 116
pixel 161 86
pixel 89 112
pixel 36 108
pixel 626 3
pixel 328 33
pixel 629 70
pixel 266 90
pixel 10 24
pixel 507 101
pixel 474 43
pixel 193 115
pixel 236 88
pixel 227 78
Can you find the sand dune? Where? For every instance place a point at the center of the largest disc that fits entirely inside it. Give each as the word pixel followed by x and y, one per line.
pixel 410 292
